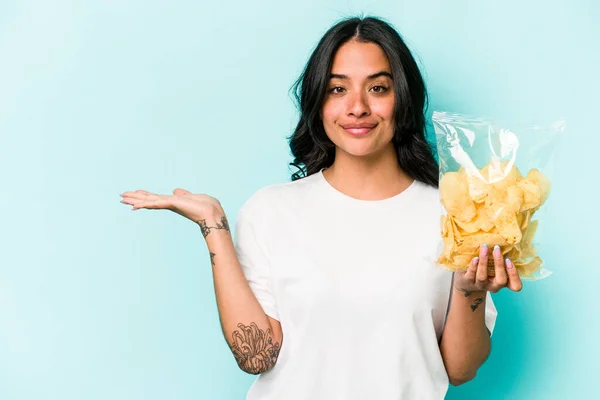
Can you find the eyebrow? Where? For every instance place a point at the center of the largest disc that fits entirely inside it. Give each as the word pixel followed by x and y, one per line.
pixel 376 75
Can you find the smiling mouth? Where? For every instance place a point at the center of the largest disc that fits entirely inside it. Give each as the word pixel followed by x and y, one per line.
pixel 358 130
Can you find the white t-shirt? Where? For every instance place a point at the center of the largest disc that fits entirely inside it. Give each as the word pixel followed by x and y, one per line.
pixel 362 304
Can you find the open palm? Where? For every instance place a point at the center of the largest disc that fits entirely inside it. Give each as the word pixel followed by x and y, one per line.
pixel 195 207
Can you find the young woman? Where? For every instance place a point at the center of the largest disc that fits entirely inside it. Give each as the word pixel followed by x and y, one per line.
pixel 331 291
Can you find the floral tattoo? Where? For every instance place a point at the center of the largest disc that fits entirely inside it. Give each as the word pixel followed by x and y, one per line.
pixel 254 349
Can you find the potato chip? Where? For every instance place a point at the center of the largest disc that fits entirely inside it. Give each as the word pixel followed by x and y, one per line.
pixel 480 222
pixel 514 198
pixel 454 192
pixel 506 249
pixel 471 244
pixel 513 254
pixel 461 261
pixel 487 225
pixel 532 195
pixel 448 237
pixel 528 268
pixel 526 245
pixel 508 227
pixel 478 187
pixel 502 215
pixel 492 172
pixel 501 175
pixel 523 219
pixel 458 235
pixel 541 181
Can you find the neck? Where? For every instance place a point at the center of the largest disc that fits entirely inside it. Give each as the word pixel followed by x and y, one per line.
pixel 365 178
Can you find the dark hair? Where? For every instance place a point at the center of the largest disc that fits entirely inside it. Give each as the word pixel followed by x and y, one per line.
pixel 313 150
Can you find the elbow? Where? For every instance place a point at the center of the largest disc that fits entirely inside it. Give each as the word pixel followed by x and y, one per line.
pixel 262 359
pixel 464 370
pixel 256 365
pixel 460 379
pixel 256 370
pixel 253 371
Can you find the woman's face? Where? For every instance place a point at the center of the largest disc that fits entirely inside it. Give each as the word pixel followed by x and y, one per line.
pixel 358 111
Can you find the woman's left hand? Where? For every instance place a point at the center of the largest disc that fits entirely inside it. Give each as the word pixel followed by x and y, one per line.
pixel 475 278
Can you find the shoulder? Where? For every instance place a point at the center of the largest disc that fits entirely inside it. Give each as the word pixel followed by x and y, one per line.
pixel 428 199
pixel 274 195
pixel 427 192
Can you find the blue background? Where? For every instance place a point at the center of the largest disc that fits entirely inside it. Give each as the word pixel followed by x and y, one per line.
pixel 101 97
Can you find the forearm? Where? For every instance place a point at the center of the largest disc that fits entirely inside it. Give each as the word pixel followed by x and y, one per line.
pixel 243 320
pixel 465 342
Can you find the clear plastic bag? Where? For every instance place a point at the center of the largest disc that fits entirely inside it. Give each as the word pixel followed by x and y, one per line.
pixel 493 181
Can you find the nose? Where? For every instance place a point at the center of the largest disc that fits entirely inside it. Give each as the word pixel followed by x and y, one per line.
pixel 358 105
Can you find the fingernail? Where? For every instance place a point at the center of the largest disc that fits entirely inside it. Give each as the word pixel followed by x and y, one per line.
pixel 484 250
pixel 497 252
pixel 476 260
pixel 509 264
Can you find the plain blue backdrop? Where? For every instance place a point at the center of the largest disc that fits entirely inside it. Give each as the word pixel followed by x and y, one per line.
pixel 100 97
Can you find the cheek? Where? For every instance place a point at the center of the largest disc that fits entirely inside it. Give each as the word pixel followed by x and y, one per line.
pixel 330 113
pixel 385 110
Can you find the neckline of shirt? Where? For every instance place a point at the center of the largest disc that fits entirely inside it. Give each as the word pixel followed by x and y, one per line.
pixel 402 196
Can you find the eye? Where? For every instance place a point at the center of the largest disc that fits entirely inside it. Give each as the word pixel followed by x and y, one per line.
pixel 336 90
pixel 379 89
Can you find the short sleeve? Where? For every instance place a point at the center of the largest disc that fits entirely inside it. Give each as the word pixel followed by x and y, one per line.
pixel 253 259
pixel 490 313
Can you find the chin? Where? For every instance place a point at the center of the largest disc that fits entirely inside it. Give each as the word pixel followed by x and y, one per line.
pixel 358 150
pixel 361 148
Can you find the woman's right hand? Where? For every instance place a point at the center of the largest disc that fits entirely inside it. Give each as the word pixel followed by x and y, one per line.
pixel 195 207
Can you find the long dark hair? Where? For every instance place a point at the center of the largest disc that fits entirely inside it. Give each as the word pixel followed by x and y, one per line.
pixel 313 150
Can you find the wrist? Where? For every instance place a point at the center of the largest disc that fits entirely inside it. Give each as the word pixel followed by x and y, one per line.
pixel 214 222
pixel 468 292
pixel 473 299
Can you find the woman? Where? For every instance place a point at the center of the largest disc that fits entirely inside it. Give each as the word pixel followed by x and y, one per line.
pixel 330 291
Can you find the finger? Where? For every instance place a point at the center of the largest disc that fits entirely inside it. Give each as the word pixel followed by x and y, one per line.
pixel 514 281
pixel 138 194
pixel 500 270
pixel 132 201
pixel 152 201
pixel 145 193
pixel 482 274
pixel 472 270
pixel 151 204
pixel 181 192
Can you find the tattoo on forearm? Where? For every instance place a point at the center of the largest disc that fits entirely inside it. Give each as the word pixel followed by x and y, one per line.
pixel 254 349
pixel 212 258
pixel 465 292
pixel 476 303
pixel 224 225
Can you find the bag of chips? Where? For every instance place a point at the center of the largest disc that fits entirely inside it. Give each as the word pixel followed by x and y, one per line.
pixel 494 186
